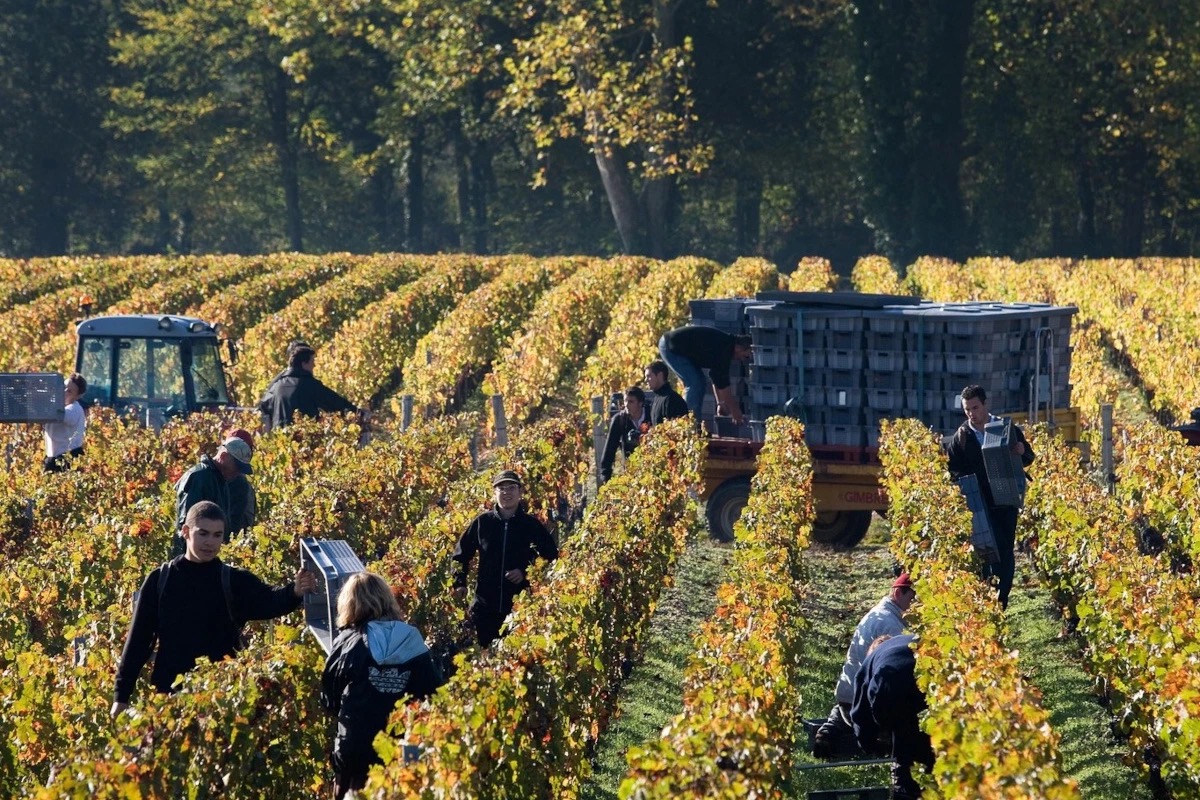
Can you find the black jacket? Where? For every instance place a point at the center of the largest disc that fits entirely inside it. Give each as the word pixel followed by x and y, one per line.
pixel 201 482
pixel 706 347
pixel 298 391
pixel 665 404
pixel 502 545
pixel 887 701
pixel 193 620
pixel 624 435
pixel 370 669
pixel 966 457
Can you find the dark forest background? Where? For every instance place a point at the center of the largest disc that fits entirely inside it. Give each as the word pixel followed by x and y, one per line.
pixel 719 128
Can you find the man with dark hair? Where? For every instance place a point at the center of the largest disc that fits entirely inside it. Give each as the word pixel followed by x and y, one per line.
pixel 194 606
pixel 508 540
pixel 209 480
pixel 666 403
pixel 65 439
pixel 693 348
pixel 625 430
pixel 965 451
pixel 885 712
pixel 298 391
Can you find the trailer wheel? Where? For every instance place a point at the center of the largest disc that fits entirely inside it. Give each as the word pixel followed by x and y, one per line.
pixel 842 529
pixel 724 507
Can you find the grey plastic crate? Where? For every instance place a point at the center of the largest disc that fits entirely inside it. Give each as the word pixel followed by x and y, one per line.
pixel 888 322
pixel 772 356
pixel 844 359
pixel 976 365
pixel 333 562
pixel 843 397
pixel 774 337
pixel 885 360
pixel 884 380
pixel 874 340
pixel 724 309
pixel 770 316
pixel 884 399
pixel 983 540
pixel 31 397
pixel 835 378
pixel 1005 473
pixel 769 394
pixel 939 401
pixel 842 340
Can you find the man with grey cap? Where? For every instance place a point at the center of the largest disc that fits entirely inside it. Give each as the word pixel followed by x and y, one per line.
pixel 508 540
pixel 209 480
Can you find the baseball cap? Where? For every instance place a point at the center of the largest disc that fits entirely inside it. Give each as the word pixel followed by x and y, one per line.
pixel 243 434
pixel 241 453
pixel 903 582
pixel 507 476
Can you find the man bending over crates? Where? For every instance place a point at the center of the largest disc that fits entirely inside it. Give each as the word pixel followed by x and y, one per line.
pixel 965 450
pixel 194 605
pixel 693 348
pixel 886 618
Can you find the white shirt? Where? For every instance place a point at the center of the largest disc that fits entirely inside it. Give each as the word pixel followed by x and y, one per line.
pixel 63 437
pixel 885 619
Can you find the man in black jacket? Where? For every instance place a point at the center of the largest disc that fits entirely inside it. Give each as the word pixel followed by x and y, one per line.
pixel 887 702
pixel 210 480
pixel 693 348
pixel 666 403
pixel 195 606
pixel 298 391
pixel 508 539
pixel 625 430
pixel 965 451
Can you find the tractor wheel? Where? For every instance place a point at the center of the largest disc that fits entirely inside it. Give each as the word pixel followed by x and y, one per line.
pixel 842 529
pixel 724 507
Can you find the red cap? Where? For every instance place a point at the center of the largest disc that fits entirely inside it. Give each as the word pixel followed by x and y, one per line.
pixel 903 582
pixel 243 434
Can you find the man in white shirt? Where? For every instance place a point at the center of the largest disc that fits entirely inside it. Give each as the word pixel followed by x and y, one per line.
pixel 65 438
pixel 885 619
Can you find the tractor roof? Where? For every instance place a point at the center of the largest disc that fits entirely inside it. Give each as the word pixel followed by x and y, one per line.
pixel 149 326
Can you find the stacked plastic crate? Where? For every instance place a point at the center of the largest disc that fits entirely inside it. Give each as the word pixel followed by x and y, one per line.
pixel 843 369
pixel 725 314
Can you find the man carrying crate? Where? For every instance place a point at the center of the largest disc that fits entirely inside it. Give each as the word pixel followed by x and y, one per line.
pixel 965 451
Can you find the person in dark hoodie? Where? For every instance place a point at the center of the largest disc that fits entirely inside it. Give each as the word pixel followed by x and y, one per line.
pixel 625 431
pixel 210 480
pixel 194 605
pixel 665 402
pixel 886 711
pixel 508 539
pixel 298 391
pixel 377 661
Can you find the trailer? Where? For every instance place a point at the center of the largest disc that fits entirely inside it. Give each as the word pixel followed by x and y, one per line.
pixel 842 362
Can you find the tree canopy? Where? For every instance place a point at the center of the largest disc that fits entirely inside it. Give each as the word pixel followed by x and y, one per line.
pixel 660 127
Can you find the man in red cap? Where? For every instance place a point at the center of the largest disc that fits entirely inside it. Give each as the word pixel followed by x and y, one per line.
pixel 885 619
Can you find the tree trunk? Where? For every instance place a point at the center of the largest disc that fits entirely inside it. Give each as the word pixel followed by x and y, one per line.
pixel 187 230
pixel 1085 229
pixel 48 201
pixel 747 212
pixel 285 148
pixel 939 223
pixel 415 194
pixel 481 168
pixel 462 169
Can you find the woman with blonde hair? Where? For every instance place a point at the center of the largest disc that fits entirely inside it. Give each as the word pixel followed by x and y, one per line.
pixel 377 660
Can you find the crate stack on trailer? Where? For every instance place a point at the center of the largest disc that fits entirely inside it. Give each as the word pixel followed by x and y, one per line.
pixel 843 362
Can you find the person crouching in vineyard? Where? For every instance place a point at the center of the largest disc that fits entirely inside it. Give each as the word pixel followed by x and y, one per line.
pixel 886 618
pixel 886 711
pixel 377 660
pixel 625 430
pixel 194 605
pixel 508 539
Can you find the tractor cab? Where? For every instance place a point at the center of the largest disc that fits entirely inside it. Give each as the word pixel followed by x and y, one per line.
pixel 152 366
pixel 1191 433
